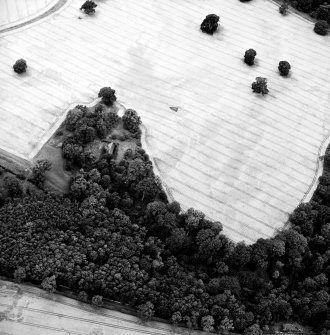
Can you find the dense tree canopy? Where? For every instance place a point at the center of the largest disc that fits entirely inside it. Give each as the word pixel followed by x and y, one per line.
pixel 116 236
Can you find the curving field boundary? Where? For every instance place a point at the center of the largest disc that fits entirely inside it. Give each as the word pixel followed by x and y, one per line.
pixel 245 161
pixel 55 7
pixel 318 170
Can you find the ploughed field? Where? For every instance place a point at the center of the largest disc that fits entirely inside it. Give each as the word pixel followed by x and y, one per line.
pixel 14 11
pixel 28 310
pixel 243 159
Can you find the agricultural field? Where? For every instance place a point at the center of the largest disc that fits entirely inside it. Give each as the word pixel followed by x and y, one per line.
pixel 243 159
pixel 27 310
pixel 15 11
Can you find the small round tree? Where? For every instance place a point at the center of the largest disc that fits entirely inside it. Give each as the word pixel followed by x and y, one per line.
pixel 249 56
pixel 89 7
pixel 210 24
pixel 108 95
pixel 260 86
pixel 20 66
pixel 321 27
pixel 131 120
pixel 284 8
pixel 284 68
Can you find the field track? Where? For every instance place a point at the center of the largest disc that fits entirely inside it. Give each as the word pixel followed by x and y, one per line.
pixel 243 159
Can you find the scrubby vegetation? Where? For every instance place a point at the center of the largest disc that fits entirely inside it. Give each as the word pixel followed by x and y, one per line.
pixel 20 66
pixel 210 24
pixel 116 236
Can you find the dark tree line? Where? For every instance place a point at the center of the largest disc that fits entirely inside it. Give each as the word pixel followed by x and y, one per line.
pixel 115 235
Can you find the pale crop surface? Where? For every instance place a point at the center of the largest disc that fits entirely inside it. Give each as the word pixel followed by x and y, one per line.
pixel 243 159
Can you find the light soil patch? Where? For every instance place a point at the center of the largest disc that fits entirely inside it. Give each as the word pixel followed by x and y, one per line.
pixel 243 159
pixel 27 310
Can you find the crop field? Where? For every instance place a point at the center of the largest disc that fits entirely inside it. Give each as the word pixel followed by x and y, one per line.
pixel 243 159
pixel 13 11
pixel 27 310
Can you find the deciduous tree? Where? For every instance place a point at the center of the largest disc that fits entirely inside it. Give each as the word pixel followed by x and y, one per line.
pixel 210 24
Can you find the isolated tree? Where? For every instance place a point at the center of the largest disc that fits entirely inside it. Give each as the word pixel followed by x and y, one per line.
pixel 260 86
pixel 249 56
pixel 284 68
pixel 131 120
pixel 284 8
pixel 108 95
pixel 20 66
pixel 210 24
pixel 89 7
pixel 321 27
pixel 49 284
